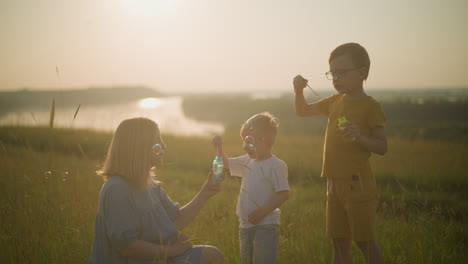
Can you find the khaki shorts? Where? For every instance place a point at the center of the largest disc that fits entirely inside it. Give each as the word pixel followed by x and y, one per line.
pixel 351 208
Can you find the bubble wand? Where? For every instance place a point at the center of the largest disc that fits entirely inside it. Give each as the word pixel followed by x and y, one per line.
pixel 313 91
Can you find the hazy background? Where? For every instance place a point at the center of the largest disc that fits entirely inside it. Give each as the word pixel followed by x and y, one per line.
pixel 177 46
pixel 203 67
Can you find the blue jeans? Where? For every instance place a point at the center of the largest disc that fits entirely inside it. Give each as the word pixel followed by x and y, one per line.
pixel 258 244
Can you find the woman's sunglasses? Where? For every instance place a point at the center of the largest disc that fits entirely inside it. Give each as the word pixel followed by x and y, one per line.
pixel 158 149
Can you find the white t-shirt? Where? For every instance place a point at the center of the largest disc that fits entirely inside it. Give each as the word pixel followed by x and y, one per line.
pixel 260 180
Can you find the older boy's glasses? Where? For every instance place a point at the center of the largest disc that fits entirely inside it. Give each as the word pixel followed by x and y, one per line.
pixel 158 149
pixel 335 75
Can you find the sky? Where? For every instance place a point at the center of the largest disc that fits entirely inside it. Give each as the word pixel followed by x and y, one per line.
pixel 179 46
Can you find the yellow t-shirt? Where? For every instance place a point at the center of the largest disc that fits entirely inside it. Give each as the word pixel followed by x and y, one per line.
pixel 343 159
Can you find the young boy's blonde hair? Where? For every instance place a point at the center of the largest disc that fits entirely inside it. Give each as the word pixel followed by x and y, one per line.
pixel 129 154
pixel 262 124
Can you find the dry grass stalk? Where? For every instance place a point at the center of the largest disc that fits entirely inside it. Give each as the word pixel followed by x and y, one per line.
pixel 34 118
pixel 52 114
pixel 76 112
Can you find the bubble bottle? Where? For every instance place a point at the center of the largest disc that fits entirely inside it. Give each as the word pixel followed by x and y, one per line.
pixel 341 121
pixel 218 168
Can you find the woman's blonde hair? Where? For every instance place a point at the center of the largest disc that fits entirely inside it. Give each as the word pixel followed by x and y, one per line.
pixel 129 154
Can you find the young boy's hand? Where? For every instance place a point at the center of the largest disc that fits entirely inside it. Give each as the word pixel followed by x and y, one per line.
pixel 256 216
pixel 217 141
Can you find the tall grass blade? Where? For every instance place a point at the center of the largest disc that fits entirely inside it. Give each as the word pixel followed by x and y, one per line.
pixel 52 114
pixel 76 112
pixel 81 150
pixel 34 118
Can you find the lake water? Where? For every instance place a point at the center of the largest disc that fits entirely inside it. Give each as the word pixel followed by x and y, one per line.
pixel 166 111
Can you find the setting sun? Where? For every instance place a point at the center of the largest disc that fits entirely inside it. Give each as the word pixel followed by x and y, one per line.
pixel 149 103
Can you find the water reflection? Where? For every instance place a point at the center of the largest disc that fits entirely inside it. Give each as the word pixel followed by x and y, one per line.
pixel 166 111
pixel 149 102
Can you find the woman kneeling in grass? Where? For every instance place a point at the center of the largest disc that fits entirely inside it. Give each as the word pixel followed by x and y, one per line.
pixel 136 221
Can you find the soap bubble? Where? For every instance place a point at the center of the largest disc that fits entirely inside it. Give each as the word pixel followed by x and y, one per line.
pixel 47 174
pixel 66 175
pixel 249 143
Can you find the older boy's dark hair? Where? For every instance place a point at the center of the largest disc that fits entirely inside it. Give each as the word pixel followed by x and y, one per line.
pixel 264 123
pixel 358 55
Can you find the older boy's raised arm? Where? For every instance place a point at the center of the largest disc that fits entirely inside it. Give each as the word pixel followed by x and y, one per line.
pixel 301 106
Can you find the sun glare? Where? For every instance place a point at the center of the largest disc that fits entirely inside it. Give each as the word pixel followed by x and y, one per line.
pixel 144 3
pixel 149 103
pixel 145 7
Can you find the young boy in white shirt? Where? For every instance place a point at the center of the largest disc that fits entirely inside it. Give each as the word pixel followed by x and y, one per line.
pixel 264 188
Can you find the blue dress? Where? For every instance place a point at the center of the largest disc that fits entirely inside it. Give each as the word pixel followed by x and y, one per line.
pixel 126 214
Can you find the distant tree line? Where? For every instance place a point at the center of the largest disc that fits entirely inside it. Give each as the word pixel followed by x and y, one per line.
pixel 431 120
pixel 32 99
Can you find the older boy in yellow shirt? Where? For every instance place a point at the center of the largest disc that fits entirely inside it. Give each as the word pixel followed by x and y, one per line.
pixel 355 130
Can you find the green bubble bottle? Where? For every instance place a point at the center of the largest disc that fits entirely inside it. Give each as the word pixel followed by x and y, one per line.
pixel 218 169
pixel 341 121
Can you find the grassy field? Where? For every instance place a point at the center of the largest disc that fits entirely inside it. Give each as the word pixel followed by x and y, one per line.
pixel 49 191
